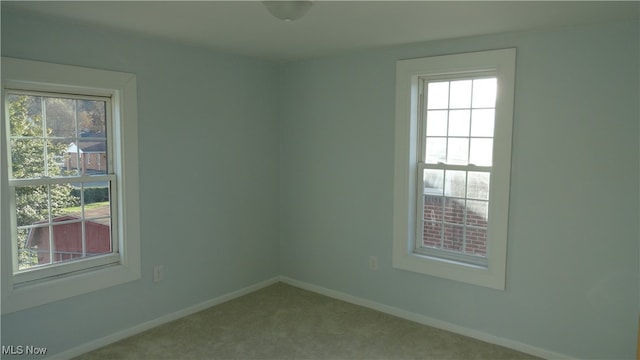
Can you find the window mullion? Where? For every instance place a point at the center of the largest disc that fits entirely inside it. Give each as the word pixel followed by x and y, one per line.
pixel 83 236
pixel 50 219
pixel 44 135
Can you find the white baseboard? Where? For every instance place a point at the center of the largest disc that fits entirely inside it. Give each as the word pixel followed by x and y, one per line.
pixel 425 320
pixel 422 319
pixel 109 339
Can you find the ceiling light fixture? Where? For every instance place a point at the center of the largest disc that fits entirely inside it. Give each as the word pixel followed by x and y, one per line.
pixel 288 10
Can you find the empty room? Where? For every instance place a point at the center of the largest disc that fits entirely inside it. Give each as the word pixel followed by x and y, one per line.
pixel 320 179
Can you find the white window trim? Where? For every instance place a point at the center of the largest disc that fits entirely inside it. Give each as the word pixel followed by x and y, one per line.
pixel 40 76
pixel 502 62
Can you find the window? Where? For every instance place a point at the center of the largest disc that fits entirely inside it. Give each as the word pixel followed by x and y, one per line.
pixel 453 156
pixel 64 181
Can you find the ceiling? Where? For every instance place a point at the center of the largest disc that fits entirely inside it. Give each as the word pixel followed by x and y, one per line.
pixel 245 27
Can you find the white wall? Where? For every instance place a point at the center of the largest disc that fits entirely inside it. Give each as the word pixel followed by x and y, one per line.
pixel 208 138
pixel 573 254
pixel 303 152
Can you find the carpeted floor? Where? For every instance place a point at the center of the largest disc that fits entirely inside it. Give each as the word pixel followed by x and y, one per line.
pixel 285 322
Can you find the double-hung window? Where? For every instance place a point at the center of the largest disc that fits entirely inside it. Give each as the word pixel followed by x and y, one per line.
pixel 61 180
pixel 69 181
pixel 453 156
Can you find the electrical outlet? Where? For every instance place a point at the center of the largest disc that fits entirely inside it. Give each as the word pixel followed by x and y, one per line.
pixel 373 263
pixel 158 273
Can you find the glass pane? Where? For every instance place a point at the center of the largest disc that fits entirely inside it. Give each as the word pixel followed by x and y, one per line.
pixel 482 122
pixel 476 241
pixel 432 235
pixel 97 212
pixel 436 150
pixel 481 152
pixel 459 122
pixel 93 156
pixel 484 93
pixel 432 232
pixel 455 183
pixel 91 118
pixel 64 200
pixel 72 162
pixel 433 181
pixel 27 158
pixel 437 123
pixel 96 196
pixel 35 249
pixel 438 95
pixel 56 155
pixel 67 239
pixel 25 114
pixel 458 151
pixel 478 185
pixel 60 117
pixel 32 205
pixel 477 213
pixel 28 250
pixel 453 237
pixel 454 211
pixel 460 94
pixel 98 236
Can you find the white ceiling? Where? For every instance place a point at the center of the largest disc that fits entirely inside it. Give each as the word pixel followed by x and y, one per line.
pixel 245 27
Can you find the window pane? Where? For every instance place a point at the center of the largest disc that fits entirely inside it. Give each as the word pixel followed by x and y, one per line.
pixel 460 94
pixel 98 233
pixel 455 183
pixel 96 194
pixel 56 155
pixel 453 237
pixel 91 116
pixel 27 252
pixel 25 113
pixel 454 210
pixel 27 158
pixel 437 123
pixel 477 213
pixel 458 151
pixel 438 95
pixel 32 205
pixel 64 198
pixel 93 156
pixel 433 181
pixel 432 235
pixel 481 152
pixel 478 185
pixel 432 232
pixel 97 212
pixel 484 93
pixel 436 150
pixel 482 122
pixel 459 122
pixel 60 117
pixel 476 241
pixel 67 239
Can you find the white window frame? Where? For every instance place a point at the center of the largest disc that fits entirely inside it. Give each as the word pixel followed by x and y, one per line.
pixel 52 283
pixel 501 64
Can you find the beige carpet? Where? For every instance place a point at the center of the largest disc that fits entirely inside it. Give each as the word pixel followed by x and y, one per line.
pixel 285 322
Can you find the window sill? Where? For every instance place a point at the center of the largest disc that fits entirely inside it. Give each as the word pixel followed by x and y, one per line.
pixel 16 297
pixel 491 276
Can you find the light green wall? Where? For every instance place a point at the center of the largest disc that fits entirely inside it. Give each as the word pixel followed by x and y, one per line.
pixel 249 170
pixel 208 142
pixel 573 256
